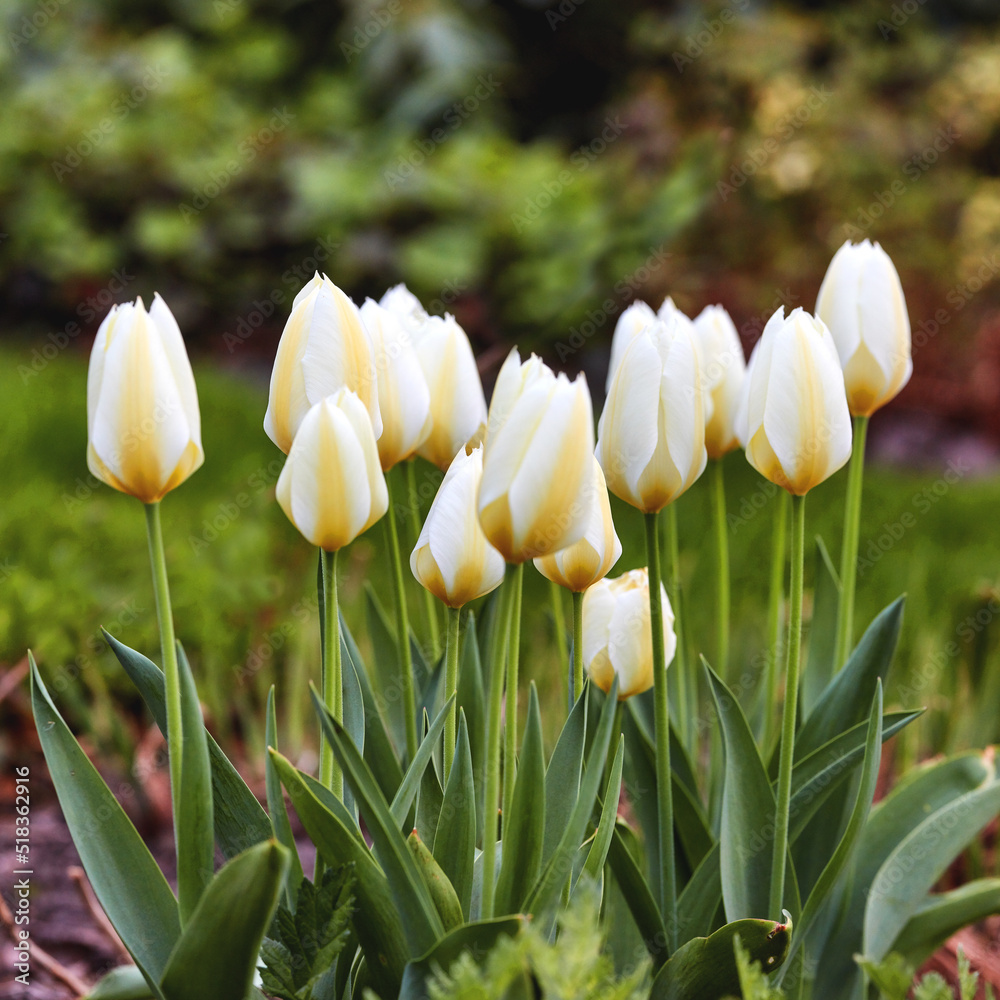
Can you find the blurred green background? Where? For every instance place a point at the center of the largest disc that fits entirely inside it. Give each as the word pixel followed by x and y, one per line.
pixel 531 167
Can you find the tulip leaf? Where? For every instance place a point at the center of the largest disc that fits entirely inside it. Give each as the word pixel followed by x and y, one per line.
pixel 193 823
pixel 238 818
pixel 421 922
pixel 276 806
pixel 820 668
pixel 377 918
pixel 124 983
pixel 553 874
pixel 642 711
pixel 474 939
pixel 705 968
pixel 524 829
pixel 472 698
pixel 442 892
pixel 127 881
pixel 354 716
pixel 455 837
pixel 414 773
pixel 216 957
pixel 594 866
pixel 846 699
pixel 919 859
pixel 701 898
pixel 430 801
pixel 562 776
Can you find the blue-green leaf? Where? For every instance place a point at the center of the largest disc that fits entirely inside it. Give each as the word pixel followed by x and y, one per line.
pixel 411 780
pixel 455 837
pixel 276 805
pixel 820 667
pixel 124 983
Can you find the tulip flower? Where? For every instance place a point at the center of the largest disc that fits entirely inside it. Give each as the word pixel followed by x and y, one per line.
pixel 633 320
pixel 651 436
pixel 404 399
pixel 332 488
pixel 724 369
pixel 537 461
pixel 452 557
pixel 143 422
pixel 406 307
pixel 861 301
pixel 797 425
pixel 618 636
pixel 324 347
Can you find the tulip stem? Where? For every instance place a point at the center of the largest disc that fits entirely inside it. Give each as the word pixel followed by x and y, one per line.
pixel 510 709
pixel 333 687
pixel 722 552
pixel 168 650
pixel 674 592
pixel 789 710
pixel 849 551
pixel 559 628
pixel 491 794
pixel 413 502
pixel 776 600
pixel 451 686
pixel 576 688
pixel 665 800
pixel 402 630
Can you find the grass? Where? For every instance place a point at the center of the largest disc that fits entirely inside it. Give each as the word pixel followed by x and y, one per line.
pixel 73 558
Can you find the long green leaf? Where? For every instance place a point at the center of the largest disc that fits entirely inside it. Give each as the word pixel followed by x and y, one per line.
pixel 276 806
pixel 594 865
pixel 919 860
pixel 124 983
pixel 239 820
pixel 822 630
pixel 524 829
pixel 354 716
pixel 129 886
pixel 377 918
pixel 216 957
pixel 643 907
pixel 701 898
pixel 455 838
pixel 421 922
pixel 411 780
pixel 472 699
pixel 562 776
pixel 193 823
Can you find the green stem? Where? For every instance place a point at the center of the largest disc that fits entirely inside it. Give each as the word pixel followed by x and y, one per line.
pixel 168 650
pixel 665 802
pixel 674 592
pixel 402 630
pixel 577 685
pixel 510 709
pixel 431 607
pixel 333 686
pixel 616 732
pixel 491 794
pixel 722 553
pixel 451 686
pixel 559 627
pixel 849 550
pixel 776 600
pixel 789 710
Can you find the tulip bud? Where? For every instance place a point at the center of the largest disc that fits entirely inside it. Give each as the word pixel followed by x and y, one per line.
pixel 651 437
pixel 634 319
pixel 143 423
pixel 724 369
pixel 537 461
pixel 332 487
pixel 585 562
pixel 796 423
pixel 452 558
pixel 404 400
pixel 861 301
pixel 406 307
pixel 618 636
pixel 324 347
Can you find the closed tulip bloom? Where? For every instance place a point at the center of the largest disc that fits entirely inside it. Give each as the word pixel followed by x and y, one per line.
pixel 861 301
pixel 797 424
pixel 452 558
pixel 637 317
pixel 457 403
pixel 332 487
pixel 724 366
pixel 143 422
pixel 537 461
pixel 651 437
pixel 404 399
pixel 324 347
pixel 405 306
pixel 618 636
pixel 585 562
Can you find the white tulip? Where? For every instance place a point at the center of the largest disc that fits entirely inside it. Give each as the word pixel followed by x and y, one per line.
pixel 724 368
pixel 634 319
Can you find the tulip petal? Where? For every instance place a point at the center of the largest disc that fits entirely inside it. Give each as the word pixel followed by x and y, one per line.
pixel 173 345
